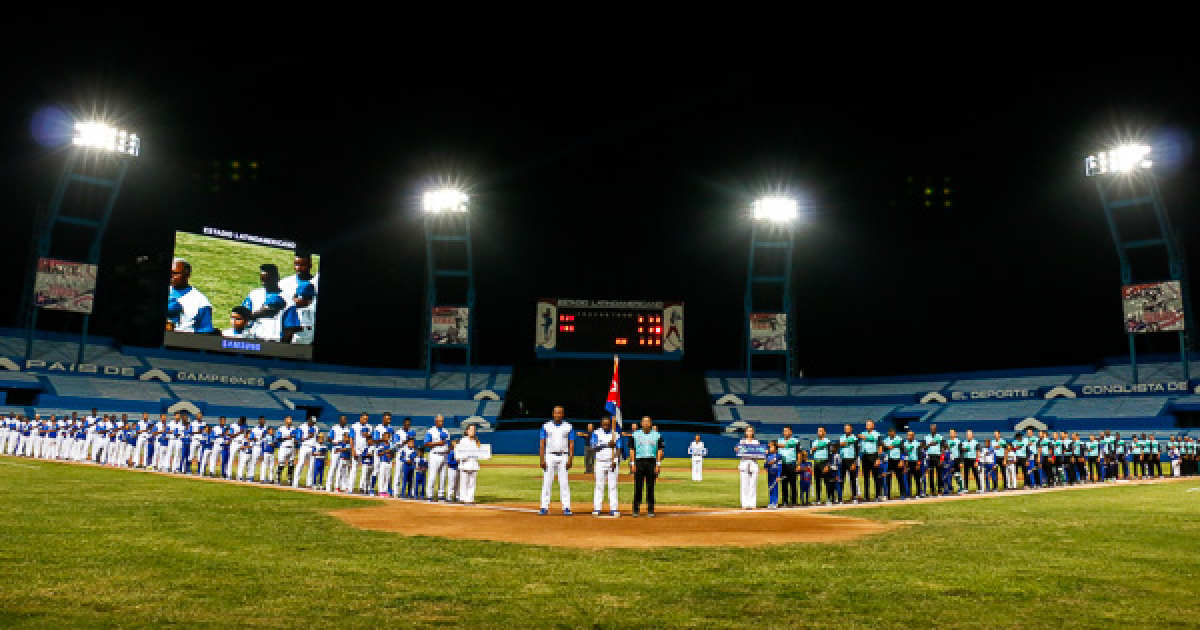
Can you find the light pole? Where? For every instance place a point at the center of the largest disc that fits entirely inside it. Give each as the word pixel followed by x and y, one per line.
pixel 773 220
pixel 98 158
pixel 1125 181
pixel 449 315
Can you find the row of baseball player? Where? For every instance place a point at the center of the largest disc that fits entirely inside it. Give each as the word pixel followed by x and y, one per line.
pixel 379 460
pixel 931 465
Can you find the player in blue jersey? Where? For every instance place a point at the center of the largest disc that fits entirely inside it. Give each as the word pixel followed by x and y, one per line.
pixel 319 451
pixel 420 468
pixel 407 457
pixel 774 465
pixel 385 454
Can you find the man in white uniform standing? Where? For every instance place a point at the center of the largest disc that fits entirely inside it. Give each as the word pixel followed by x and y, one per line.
pixel 697 450
pixel 437 443
pixel 557 452
pixel 308 439
pixel 604 450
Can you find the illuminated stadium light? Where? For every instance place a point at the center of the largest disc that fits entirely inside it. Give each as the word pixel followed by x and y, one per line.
pixel 777 209
pixel 1127 158
pixel 445 200
pixel 90 135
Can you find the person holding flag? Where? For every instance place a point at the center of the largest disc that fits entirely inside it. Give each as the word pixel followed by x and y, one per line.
pixel 612 404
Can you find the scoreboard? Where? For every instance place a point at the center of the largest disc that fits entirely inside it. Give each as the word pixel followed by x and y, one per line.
pixel 601 328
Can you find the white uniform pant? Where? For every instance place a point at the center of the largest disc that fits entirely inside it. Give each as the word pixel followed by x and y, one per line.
pixel 748 473
pixel 175 458
pixel 364 483
pixel 245 467
pixel 50 449
pixel 451 483
pixel 1011 476
pixel 140 449
pixel 266 470
pixel 339 477
pixel 89 441
pixel 384 483
pixel 304 458
pixel 466 489
pixel 697 468
pixel 1175 468
pixel 606 478
pixel 99 448
pixel 556 465
pixel 436 476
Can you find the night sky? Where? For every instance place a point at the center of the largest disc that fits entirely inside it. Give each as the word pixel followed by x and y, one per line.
pixel 624 167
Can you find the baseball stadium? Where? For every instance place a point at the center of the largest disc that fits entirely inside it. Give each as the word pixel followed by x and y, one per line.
pixel 571 372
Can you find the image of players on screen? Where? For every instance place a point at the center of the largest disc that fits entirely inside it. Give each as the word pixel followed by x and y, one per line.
pixel 302 298
pixel 188 310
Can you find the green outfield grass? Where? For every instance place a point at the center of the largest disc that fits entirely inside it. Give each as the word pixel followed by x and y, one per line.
pixel 225 271
pixel 90 546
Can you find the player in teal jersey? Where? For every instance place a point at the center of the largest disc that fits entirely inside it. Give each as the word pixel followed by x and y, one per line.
pixel 1000 445
pixel 913 457
pixel 868 442
pixel 1136 446
pixel 1058 452
pixel 895 455
pixel 849 452
pixel 953 472
pixel 1092 451
pixel 1155 456
pixel 820 462
pixel 933 462
pixel 1046 458
pixel 969 449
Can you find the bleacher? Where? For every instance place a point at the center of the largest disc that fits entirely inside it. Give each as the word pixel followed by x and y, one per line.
pixel 228 400
pixel 423 409
pixel 830 415
pixel 89 388
pixel 988 411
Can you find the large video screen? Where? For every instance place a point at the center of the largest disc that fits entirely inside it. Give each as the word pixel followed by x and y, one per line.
pixel 241 293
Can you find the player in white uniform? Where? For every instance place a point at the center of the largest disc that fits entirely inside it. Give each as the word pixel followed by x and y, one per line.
pixel 556 451
pixel 361 435
pixel 288 438
pixel 308 439
pixel 175 458
pixel 257 434
pixel 697 450
pixel 437 443
pixel 604 448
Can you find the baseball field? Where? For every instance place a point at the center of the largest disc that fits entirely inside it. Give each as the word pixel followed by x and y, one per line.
pixel 86 546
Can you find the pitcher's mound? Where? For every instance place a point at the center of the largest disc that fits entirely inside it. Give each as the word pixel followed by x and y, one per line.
pixel 673 526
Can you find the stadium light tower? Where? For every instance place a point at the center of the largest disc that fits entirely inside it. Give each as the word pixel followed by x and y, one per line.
pixel 97 160
pixel 769 329
pixel 1125 181
pixel 449 306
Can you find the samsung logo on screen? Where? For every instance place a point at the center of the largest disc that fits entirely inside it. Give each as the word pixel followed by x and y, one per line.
pixel 230 344
pixel 250 238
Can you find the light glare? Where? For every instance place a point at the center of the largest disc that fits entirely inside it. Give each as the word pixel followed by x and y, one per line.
pixel 777 209
pixel 445 200
pixel 1123 159
pixel 90 135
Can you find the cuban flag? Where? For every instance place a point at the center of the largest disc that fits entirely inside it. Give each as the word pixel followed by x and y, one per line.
pixel 613 403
